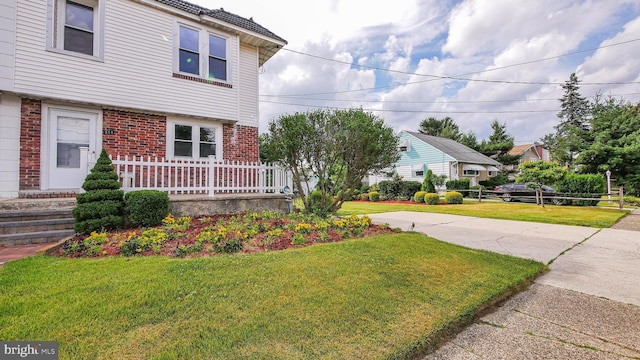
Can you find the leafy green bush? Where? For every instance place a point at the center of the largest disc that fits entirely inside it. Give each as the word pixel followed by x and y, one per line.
pixel 409 188
pixel 315 205
pixel 427 184
pixel 461 184
pixel 374 196
pixel 431 198
pixel 581 186
pixel 146 207
pixel 453 197
pixel 391 189
pixel 364 189
pixel 101 207
pixel 419 196
pixel 474 194
pixel 364 196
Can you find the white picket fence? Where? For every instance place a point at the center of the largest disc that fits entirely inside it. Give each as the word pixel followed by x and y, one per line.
pixel 199 176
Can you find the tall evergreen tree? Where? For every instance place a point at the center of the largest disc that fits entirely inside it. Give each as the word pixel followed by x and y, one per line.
pixel 446 128
pixel 499 144
pixel 572 132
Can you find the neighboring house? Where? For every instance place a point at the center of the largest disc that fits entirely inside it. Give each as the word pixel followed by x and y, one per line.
pixel 421 152
pixel 161 78
pixel 528 152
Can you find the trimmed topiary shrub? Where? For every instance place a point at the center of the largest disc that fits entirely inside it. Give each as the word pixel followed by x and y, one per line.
pixel 146 207
pixel 419 197
pixel 453 197
pixel 427 184
pixel 374 196
pixel 431 198
pixel 101 207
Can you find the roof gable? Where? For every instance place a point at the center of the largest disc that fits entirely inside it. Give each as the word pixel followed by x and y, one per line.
pixel 454 149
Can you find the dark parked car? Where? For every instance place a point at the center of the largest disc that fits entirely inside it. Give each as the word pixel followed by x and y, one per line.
pixel 525 193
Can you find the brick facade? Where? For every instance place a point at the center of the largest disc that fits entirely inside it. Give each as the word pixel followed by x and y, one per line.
pixel 240 143
pixel 124 133
pixel 130 133
pixel 30 130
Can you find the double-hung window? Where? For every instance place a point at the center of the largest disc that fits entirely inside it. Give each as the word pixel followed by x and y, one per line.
pixel 189 51
pixel 76 27
pixel 202 53
pixel 195 141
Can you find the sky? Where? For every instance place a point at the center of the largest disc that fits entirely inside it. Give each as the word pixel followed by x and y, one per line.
pixel 472 60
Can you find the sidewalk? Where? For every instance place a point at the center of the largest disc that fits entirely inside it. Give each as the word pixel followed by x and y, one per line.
pixel 586 307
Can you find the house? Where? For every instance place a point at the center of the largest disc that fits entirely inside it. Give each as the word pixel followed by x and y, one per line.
pixel 421 152
pixel 161 78
pixel 528 152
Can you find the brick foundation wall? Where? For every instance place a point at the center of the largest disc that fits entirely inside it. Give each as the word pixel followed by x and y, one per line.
pixel 30 130
pixel 134 133
pixel 240 143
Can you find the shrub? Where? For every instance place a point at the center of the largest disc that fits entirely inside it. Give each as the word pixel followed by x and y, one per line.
pixel 427 184
pixel 146 207
pixel 409 188
pixel 581 186
pixel 461 184
pixel 474 194
pixel 391 189
pixel 374 196
pixel 419 197
pixel 364 189
pixel 364 196
pixel 101 207
pixel 315 205
pixel 499 179
pixel 431 198
pixel 453 197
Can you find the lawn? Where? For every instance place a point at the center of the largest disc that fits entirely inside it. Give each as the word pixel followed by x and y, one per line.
pixel 390 296
pixel 551 214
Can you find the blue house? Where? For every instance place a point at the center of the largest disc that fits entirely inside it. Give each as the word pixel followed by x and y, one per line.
pixel 421 152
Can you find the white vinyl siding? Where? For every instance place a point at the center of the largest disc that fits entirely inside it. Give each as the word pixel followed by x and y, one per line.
pixel 9 146
pixel 137 71
pixel 249 85
pixel 7 43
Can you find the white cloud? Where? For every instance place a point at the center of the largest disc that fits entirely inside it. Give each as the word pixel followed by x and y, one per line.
pixel 444 38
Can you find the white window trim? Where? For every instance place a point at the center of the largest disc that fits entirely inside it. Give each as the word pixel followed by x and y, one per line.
pixel 55 29
pixel 203 55
pixel 469 173
pixel 170 133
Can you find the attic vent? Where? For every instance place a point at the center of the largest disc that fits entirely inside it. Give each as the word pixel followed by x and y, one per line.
pixel 404 146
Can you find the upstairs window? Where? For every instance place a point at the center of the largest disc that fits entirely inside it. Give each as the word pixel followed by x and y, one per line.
pixel 75 27
pixel 189 51
pixel 78 28
pixel 217 58
pixel 201 53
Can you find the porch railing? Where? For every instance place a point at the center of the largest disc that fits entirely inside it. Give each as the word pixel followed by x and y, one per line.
pixel 206 176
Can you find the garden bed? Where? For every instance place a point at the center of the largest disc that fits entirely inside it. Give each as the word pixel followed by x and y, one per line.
pixel 210 235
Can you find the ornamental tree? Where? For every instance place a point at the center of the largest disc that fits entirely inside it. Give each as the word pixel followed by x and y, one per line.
pixel 336 148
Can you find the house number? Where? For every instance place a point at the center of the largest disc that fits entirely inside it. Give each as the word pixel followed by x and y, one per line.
pixel 109 131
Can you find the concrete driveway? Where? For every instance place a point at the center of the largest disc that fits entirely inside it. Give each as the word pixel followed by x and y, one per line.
pixel 586 307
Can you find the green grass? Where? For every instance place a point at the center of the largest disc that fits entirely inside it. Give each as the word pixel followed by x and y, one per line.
pixel 565 215
pixel 384 297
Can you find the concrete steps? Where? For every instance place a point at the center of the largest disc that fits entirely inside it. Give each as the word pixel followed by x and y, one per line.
pixel 33 225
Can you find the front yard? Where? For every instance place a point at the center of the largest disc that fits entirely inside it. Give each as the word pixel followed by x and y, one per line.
pixel 389 296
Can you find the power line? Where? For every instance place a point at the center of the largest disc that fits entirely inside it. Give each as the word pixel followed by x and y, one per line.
pixel 458 77
pixel 416 111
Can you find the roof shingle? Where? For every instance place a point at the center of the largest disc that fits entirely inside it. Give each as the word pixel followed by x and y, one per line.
pixel 223 15
pixel 456 150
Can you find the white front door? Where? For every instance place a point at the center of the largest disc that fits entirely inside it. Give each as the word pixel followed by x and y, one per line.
pixel 69 131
